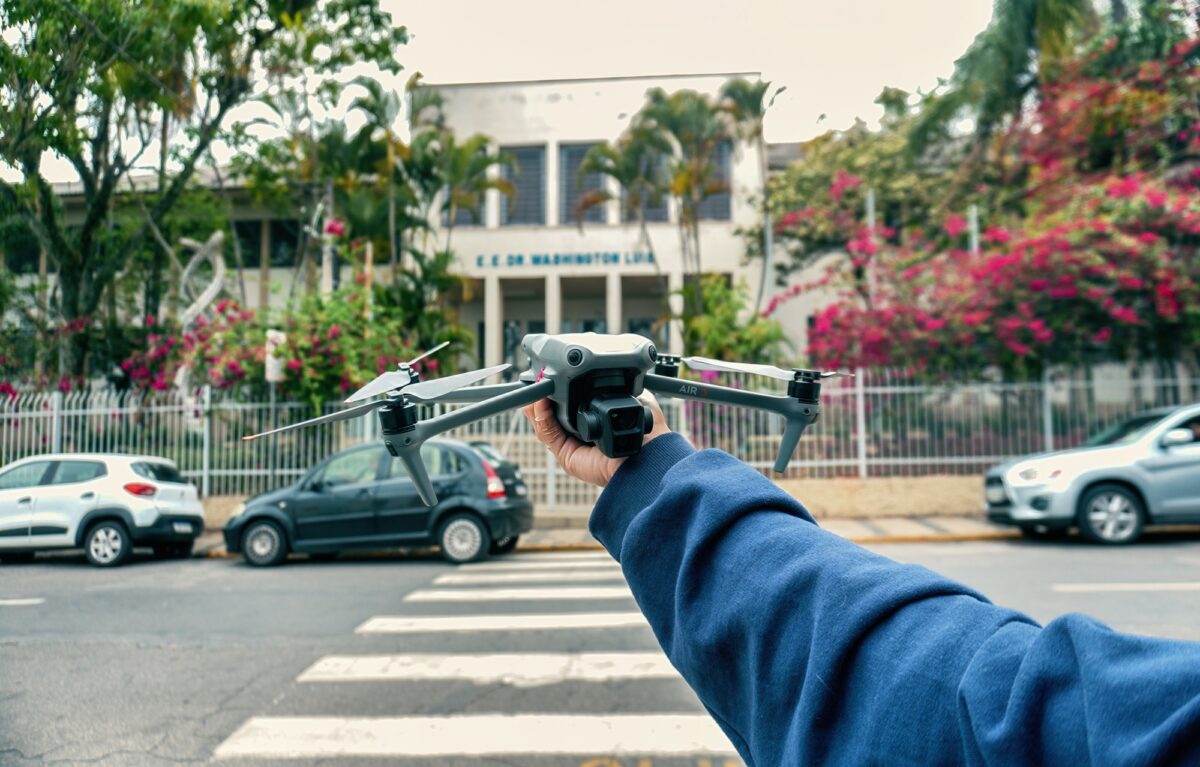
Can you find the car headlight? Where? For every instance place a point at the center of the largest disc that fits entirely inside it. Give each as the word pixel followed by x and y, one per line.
pixel 1033 474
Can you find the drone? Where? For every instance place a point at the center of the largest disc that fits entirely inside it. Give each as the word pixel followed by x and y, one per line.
pixel 593 381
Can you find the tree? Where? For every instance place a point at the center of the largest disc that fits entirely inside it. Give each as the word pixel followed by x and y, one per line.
pixel 90 80
pixel 383 109
pixel 464 169
pixel 637 162
pixel 746 103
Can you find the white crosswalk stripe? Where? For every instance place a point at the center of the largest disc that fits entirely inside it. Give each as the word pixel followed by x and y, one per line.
pixel 403 624
pixel 516 669
pixel 565 593
pixel 480 604
pixel 478 735
pixel 478 579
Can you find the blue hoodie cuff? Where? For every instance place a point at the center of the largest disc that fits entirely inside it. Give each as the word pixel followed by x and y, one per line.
pixel 633 487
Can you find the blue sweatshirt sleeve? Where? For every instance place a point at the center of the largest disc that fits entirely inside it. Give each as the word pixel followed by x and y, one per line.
pixel 808 649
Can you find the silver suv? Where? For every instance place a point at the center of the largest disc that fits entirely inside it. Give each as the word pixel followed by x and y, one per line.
pixel 1144 470
pixel 105 503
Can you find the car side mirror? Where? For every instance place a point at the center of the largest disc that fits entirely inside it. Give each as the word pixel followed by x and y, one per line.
pixel 317 486
pixel 1177 437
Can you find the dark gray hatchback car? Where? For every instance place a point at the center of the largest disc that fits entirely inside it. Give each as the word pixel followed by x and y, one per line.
pixel 362 498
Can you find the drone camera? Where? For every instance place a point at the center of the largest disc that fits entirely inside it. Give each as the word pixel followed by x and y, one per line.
pixel 615 423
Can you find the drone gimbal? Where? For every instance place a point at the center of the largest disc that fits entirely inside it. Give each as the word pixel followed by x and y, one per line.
pixel 593 380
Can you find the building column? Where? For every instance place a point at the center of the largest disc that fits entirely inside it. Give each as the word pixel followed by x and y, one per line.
pixel 493 321
pixel 264 265
pixel 553 304
pixel 552 184
pixel 612 302
pixel 675 301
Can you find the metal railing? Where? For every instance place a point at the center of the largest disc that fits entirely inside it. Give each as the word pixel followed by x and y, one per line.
pixel 879 423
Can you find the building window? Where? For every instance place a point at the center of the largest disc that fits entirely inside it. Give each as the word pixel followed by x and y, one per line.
pixel 21 253
pixel 528 177
pixel 717 207
pixel 654 210
pixel 249 240
pixel 464 216
pixel 575 186
pixel 285 242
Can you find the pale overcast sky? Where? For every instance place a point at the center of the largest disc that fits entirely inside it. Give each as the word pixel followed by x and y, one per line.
pixel 834 56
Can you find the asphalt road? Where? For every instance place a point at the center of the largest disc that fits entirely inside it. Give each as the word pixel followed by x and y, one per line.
pixel 175 662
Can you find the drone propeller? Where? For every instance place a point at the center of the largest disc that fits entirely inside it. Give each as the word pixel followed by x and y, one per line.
pixel 440 387
pixel 341 415
pixel 770 371
pixel 393 379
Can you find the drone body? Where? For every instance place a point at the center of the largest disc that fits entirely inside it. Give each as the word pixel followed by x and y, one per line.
pixel 593 380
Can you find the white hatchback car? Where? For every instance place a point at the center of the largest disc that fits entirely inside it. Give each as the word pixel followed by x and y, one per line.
pixel 106 504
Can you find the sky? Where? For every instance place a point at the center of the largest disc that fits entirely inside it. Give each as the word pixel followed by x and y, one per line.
pixel 833 56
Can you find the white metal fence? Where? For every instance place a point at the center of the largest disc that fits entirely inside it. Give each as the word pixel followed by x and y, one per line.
pixel 878 424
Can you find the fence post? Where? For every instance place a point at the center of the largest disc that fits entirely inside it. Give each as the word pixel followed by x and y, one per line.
pixel 1047 413
pixel 56 422
pixel 860 419
pixel 551 480
pixel 206 447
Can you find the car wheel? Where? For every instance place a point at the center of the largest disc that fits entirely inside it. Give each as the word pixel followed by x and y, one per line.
pixel 108 544
pixel 1111 514
pixel 263 544
pixel 174 550
pixel 464 539
pixel 17 557
pixel 505 545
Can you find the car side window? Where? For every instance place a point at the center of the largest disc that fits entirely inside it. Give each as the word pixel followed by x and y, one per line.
pixel 353 468
pixel 69 472
pixel 439 462
pixel 27 475
pixel 1192 425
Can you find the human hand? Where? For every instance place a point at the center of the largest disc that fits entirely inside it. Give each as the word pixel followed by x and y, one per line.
pixel 585 462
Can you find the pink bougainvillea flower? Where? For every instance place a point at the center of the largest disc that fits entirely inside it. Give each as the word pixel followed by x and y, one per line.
pixel 1102 335
pixel 335 228
pixel 996 236
pixel 1124 314
pixel 294 365
pixel 955 225
pixel 334 332
pixel 1156 198
pixel 1124 188
pixel 843 182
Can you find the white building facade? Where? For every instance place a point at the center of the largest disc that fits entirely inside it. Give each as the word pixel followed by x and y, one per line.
pixel 531 266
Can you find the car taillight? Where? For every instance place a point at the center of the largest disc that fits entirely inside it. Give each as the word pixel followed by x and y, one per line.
pixel 495 485
pixel 141 489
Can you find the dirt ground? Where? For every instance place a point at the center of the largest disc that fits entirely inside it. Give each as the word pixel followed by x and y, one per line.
pixel 889 497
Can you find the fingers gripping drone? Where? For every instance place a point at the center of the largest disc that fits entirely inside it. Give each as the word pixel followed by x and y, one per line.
pixel 592 379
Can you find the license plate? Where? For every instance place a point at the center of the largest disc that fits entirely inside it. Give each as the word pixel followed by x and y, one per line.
pixel 996 495
pixel 182 527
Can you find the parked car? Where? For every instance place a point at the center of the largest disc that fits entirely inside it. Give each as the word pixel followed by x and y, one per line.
pixel 362 498
pixel 107 504
pixel 1145 470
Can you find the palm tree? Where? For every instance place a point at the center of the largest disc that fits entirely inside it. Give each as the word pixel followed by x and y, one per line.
pixel 636 163
pixel 383 109
pixel 694 129
pixel 746 104
pixel 465 178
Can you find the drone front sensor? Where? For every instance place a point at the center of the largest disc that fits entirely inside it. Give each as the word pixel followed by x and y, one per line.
pixel 593 381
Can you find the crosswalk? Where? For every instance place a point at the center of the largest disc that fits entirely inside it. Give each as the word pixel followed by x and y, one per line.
pixel 530 659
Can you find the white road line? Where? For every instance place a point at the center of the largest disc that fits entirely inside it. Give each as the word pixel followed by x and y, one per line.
pixel 29 602
pixel 541 576
pixel 561 556
pixel 482 735
pixel 402 624
pixel 504 567
pixel 516 669
pixel 1100 588
pixel 519 595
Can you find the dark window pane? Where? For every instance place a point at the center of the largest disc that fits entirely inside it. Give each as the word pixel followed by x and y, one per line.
pixel 69 472
pixel 249 239
pixel 528 178
pixel 285 242
pixel 353 468
pixel 20 250
pixel 573 186
pixel 468 216
pixel 160 472
pixel 717 207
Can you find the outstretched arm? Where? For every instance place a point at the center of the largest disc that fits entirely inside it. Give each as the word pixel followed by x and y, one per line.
pixel 808 649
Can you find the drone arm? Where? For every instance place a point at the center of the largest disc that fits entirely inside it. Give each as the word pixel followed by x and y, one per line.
pixel 798 414
pixel 479 393
pixel 407 445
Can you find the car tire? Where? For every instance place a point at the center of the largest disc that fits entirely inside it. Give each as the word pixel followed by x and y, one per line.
pixel 174 550
pixel 107 544
pixel 17 557
pixel 1111 514
pixel 504 545
pixel 463 538
pixel 264 544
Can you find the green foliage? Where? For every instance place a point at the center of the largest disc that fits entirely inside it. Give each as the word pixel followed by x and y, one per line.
pixel 728 328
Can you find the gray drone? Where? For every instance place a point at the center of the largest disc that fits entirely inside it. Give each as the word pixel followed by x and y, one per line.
pixel 593 380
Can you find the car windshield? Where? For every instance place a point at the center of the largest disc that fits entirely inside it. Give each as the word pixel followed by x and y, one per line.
pixel 490 453
pixel 1125 432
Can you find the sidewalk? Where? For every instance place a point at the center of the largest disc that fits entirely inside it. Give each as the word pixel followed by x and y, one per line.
pixel 881 530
